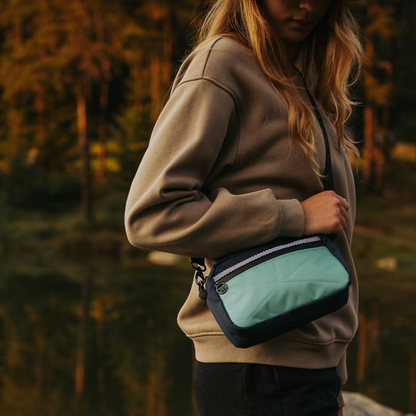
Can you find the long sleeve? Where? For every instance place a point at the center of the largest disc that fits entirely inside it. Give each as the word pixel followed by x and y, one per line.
pixel 170 206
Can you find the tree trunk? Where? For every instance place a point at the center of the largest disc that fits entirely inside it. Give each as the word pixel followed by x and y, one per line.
pixel 100 331
pixel 362 349
pixel 83 336
pixel 15 123
pixel 156 69
pixel 102 133
pixel 412 381
pixel 84 148
pixel 40 343
pixel 38 152
pixel 369 124
pixel 157 385
pixel 167 51
pixel 158 16
pixel 369 133
pixel 40 105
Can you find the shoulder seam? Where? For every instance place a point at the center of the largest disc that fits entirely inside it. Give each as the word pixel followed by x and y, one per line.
pixel 209 54
pixel 212 81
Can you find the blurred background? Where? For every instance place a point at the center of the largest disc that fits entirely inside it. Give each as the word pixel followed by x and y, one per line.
pixel 87 322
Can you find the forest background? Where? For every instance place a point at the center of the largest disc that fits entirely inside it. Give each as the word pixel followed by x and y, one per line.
pixel 81 85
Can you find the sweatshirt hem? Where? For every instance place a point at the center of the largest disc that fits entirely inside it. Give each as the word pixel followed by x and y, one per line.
pixel 293 339
pixel 282 351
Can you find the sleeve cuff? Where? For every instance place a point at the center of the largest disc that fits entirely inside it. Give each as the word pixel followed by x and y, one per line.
pixel 292 219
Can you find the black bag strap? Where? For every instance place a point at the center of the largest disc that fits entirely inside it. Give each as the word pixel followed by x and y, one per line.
pixel 327 180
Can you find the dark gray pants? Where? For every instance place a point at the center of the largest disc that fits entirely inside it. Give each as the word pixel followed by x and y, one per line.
pixel 235 389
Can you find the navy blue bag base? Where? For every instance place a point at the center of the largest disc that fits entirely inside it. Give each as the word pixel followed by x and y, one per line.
pixel 273 327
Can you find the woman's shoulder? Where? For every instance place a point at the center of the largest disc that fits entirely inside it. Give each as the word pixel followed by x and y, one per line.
pixel 228 45
pixel 223 60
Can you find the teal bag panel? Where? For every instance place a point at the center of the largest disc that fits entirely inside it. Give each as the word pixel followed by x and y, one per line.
pixel 282 284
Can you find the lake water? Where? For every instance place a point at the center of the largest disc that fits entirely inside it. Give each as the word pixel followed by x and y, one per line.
pixel 100 338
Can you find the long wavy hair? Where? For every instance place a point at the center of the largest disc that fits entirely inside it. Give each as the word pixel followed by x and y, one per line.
pixel 330 60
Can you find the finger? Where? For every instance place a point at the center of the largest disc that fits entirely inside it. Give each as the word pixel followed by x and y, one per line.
pixel 339 224
pixel 340 214
pixel 344 214
pixel 343 202
pixel 342 207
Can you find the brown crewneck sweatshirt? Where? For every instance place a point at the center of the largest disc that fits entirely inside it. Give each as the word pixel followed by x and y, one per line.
pixel 222 174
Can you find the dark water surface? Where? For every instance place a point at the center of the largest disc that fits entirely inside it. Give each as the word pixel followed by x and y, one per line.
pixel 82 337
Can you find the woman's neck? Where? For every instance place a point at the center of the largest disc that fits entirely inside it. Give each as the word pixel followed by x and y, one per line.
pixel 292 50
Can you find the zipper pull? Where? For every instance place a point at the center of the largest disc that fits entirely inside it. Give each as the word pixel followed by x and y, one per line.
pixel 221 287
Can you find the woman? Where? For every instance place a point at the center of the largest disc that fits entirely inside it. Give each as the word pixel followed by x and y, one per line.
pixel 236 160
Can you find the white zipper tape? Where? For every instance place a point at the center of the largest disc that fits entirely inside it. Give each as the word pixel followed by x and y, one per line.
pixel 264 253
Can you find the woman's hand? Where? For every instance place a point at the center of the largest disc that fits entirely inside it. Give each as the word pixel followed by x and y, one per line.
pixel 325 213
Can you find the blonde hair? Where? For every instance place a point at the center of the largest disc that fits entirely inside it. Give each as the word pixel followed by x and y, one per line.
pixel 329 56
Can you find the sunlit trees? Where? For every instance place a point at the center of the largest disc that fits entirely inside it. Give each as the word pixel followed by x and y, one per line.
pixel 381 29
pixel 52 55
pixel 82 72
pixel 83 81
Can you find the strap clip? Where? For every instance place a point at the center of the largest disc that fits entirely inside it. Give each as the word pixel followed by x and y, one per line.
pixel 200 279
